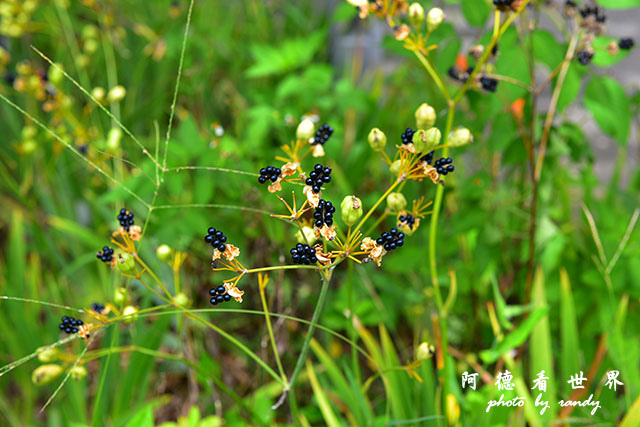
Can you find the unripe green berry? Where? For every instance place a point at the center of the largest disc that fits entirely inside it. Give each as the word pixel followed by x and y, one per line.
pixel 377 139
pixel 425 351
pixel 305 130
pixel 434 18
pixel 459 137
pixel 54 74
pixel 78 372
pixel 130 313
pixel 126 263
pixel 181 299
pixel 120 296
pixel 395 167
pixel 163 252
pixel 396 202
pixel 351 209
pixel 117 93
pixel 47 354
pixel 44 374
pixel 113 139
pixel 425 116
pixel 416 14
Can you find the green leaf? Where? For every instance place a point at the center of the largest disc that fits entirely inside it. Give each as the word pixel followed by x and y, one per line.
pixel 602 58
pixel 515 338
pixel 547 49
pixel 606 100
pixel 476 12
pixel 323 402
pixel 501 305
pixel 570 87
pixel 570 354
pixel 619 4
pixel 290 55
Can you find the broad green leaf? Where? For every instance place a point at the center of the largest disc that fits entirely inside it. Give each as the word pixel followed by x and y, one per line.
pixel 291 54
pixel 547 49
pixel 619 4
pixel 602 58
pixel 570 87
pixel 476 12
pixel 515 338
pixel 605 98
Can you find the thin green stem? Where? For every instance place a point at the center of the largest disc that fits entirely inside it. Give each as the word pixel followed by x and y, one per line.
pixel 272 337
pixel 433 73
pixel 373 208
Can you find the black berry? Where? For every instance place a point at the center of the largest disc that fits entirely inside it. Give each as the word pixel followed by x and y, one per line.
pixel 407 136
pixel 407 220
pixel 444 165
pixel 70 324
pixel 391 240
pixel 303 254
pixel 584 57
pixel 323 134
pixel 218 295
pixel 269 173
pixel 105 255
pixel 97 307
pixel 489 84
pixel 324 213
pixel 125 218
pixel 427 158
pixel 626 43
pixel 319 176
pixel 216 238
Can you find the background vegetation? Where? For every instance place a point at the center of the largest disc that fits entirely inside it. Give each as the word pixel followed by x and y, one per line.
pixel 537 273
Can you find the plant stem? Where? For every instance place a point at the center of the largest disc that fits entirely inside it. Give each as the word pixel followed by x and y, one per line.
pixel 434 74
pixel 271 336
pixel 373 208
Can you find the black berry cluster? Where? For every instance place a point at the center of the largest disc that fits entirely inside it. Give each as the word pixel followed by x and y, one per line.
pixel 626 43
pixel 303 254
pixel 427 157
pixel 219 295
pixel 323 134
pixel 126 219
pixel 270 173
pixel 595 11
pixel 407 136
pixel 216 238
pixel 443 165
pixel 489 84
pixel 584 57
pixel 391 240
pixel 97 307
pixel 456 74
pixel 318 176
pixel 70 325
pixel 324 213
pixel 105 255
pixel 407 219
pixel 503 4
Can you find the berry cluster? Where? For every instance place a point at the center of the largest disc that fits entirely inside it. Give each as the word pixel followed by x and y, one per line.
pixel 626 43
pixel 500 3
pixel 407 136
pixel 303 254
pixel 105 255
pixel 443 165
pixel 97 307
pixel 595 11
pixel 269 173
pixel 585 56
pixel 216 238
pixel 407 219
pixel 219 295
pixel 70 325
pixel 461 76
pixel 324 213
pixel 427 157
pixel 318 176
pixel 323 134
pixel 489 84
pixel 391 240
pixel 126 219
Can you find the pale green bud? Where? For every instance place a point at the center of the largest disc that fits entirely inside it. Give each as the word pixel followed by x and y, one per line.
pixel 351 209
pixel 416 14
pixel 425 351
pixel 425 116
pixel 433 136
pixel 117 93
pixel 89 32
pixel 420 141
pixel 47 354
pixel 459 137
pixel 44 374
pixel 28 146
pixel 98 93
pixel 377 139
pixel 130 313
pixel 90 46
pixel 126 263
pixel 163 252
pixel 113 139
pixel 181 299
pixel 308 236
pixel 120 295
pixel 396 202
pixel 54 74
pixel 305 130
pixel 395 167
pixel 434 18
pixel 78 372
pixel 29 132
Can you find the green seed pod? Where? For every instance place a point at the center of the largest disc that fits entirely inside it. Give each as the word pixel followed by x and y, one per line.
pixel 396 202
pixel 47 355
pixel 117 93
pixel 44 374
pixel 425 351
pixel 54 74
pixel 113 139
pixel 308 236
pixel 163 252
pixel 459 137
pixel 181 299
pixel 425 116
pixel 351 209
pixel 433 138
pixel 377 139
pixel 305 130
pixel 130 313
pixel 98 93
pixel 420 141
pixel 126 263
pixel 120 296
pixel 395 167
pixel 434 18
pixel 416 14
pixel 78 372
pixel 90 46
pixel 89 32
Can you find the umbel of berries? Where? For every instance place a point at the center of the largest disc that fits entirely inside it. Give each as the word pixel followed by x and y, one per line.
pixel 319 176
pixel 321 136
pixel 219 295
pixel 407 136
pixel 70 325
pixel 216 238
pixel 125 218
pixel 443 165
pixel 105 255
pixel 324 213
pixel 303 254
pixel 391 240
pixel 626 43
pixel 269 173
